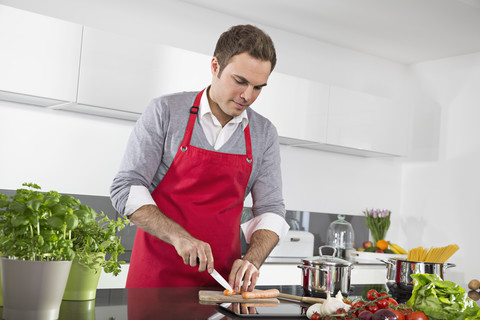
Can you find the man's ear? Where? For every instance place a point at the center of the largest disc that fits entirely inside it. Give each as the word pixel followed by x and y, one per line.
pixel 214 66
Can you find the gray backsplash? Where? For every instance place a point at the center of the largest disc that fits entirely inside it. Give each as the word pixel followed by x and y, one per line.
pixel 314 222
pixel 317 223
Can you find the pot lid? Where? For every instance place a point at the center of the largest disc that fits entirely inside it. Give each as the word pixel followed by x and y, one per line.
pixel 326 260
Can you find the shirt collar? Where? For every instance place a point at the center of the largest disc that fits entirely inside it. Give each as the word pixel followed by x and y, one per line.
pixel 204 109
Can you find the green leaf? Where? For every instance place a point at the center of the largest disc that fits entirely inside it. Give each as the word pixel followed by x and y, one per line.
pixel 18 220
pixel 71 221
pixel 17 207
pixel 55 222
pixel 59 210
pixel 40 241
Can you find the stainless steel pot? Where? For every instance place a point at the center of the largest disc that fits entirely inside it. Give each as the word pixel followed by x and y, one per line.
pixel 399 280
pixel 324 275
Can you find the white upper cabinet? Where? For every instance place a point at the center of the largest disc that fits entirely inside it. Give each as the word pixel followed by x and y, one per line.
pixel 39 57
pixel 366 122
pixel 120 73
pixel 297 107
pixel 50 62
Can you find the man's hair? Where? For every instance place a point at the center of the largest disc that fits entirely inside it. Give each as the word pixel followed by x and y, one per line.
pixel 244 38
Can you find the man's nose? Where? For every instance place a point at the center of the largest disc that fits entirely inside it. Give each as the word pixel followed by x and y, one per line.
pixel 247 95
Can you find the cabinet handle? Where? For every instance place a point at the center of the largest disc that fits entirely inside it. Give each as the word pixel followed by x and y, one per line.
pixel 294 239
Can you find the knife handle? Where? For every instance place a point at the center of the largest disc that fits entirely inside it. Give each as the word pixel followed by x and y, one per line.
pixel 310 300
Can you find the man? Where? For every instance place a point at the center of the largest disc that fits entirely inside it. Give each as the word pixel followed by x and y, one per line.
pixel 187 170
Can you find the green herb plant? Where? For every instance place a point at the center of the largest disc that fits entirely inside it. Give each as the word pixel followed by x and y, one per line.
pixel 38 226
pixel 97 234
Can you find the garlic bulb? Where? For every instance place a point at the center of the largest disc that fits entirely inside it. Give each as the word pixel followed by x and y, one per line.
pixel 330 306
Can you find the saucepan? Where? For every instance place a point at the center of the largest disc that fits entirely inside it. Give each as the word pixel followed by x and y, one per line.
pixel 325 275
pixel 399 280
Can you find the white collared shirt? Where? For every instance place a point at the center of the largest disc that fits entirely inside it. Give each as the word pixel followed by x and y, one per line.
pixel 216 135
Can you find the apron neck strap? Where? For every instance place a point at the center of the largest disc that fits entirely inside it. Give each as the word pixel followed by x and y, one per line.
pixel 191 124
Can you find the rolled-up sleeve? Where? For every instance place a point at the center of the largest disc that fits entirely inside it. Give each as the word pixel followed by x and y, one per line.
pixel 267 221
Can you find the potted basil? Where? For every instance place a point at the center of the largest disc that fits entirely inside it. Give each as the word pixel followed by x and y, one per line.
pixel 37 247
pixel 97 246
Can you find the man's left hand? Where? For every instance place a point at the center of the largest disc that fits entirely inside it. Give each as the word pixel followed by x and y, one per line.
pixel 244 275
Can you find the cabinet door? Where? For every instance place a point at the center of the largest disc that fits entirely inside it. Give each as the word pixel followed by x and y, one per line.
pixel 367 122
pixel 121 73
pixel 39 55
pixel 297 107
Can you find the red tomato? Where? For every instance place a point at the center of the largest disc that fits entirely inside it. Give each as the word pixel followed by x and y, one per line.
pixel 382 304
pixel 359 307
pixel 392 302
pixel 382 294
pixel 316 316
pixel 372 294
pixel 417 315
pixel 399 315
pixel 340 311
pixel 406 310
pixel 372 308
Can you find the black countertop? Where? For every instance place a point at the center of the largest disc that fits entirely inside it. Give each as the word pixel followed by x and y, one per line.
pixel 180 303
pixel 164 303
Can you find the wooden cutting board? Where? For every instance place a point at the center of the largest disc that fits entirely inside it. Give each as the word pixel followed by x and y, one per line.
pixel 218 296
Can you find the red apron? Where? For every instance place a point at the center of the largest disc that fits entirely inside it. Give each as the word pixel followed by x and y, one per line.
pixel 203 191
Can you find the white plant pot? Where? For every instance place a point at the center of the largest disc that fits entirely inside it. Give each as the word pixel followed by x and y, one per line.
pixel 33 289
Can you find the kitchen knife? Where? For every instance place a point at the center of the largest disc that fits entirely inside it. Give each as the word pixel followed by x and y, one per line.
pixel 220 280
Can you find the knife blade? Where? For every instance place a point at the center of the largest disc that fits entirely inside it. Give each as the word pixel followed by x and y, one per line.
pixel 220 280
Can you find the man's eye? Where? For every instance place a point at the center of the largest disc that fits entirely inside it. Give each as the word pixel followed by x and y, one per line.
pixel 240 81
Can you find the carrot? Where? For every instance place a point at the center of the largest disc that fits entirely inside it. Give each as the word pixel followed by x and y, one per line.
pixel 230 292
pixel 270 293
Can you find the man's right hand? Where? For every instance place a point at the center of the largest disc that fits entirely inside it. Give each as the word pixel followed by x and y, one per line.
pixel 193 252
pixel 150 219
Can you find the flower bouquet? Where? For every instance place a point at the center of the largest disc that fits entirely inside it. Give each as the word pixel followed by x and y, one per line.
pixel 378 221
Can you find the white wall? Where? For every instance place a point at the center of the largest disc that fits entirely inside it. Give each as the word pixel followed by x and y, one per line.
pixel 59 150
pixel 441 203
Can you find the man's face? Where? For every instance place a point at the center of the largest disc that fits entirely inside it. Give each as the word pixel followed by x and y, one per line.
pixel 238 86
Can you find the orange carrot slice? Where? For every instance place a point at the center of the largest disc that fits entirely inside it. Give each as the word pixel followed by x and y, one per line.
pixel 230 292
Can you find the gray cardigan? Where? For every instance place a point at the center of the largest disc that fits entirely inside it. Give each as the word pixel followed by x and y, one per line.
pixel 158 133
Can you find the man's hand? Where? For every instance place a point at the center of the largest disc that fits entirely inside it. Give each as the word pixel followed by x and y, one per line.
pixel 243 276
pixel 194 251
pixel 245 272
pixel 150 219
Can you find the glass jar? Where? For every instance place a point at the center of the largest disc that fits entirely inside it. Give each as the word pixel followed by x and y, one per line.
pixel 340 235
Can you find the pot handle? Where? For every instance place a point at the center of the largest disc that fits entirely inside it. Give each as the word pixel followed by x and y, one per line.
pixel 449 265
pixel 312 267
pixel 320 250
pixel 386 261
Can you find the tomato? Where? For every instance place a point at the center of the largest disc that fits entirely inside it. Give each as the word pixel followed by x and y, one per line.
pixel 399 315
pixel 372 294
pixel 382 304
pixel 372 308
pixel 405 310
pixel 417 315
pixel 392 302
pixel 358 307
pixel 340 311
pixel 316 316
pixel 382 294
